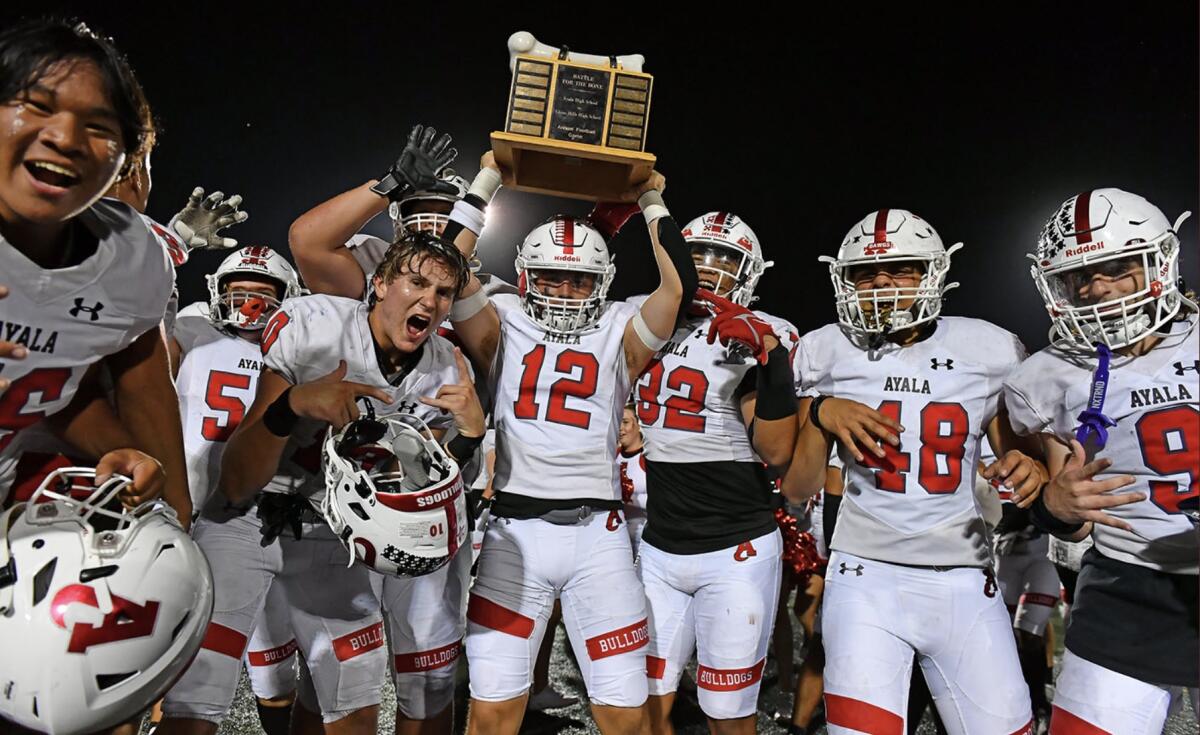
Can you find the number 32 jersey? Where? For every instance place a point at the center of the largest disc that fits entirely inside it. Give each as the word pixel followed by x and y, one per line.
pixel 218 375
pixel 917 504
pixel 559 400
pixel 1155 401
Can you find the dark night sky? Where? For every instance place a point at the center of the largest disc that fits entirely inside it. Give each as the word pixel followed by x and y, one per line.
pixel 980 123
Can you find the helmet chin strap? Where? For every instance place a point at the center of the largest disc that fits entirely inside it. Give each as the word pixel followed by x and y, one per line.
pixel 1093 424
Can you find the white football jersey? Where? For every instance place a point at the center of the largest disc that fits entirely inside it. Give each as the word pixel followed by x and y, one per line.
pixel 218 376
pixel 687 398
pixel 555 399
pixel 1155 400
pixel 68 318
pixel 306 339
pixel 632 469
pixel 916 506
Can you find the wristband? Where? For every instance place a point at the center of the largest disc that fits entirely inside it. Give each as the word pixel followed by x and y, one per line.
pixel 467 215
pixel 465 308
pixel 1043 519
pixel 279 418
pixel 814 409
pixel 775 398
pixel 485 185
pixel 645 334
pixel 653 206
pixel 461 447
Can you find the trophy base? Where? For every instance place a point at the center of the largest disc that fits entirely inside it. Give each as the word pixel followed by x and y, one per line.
pixel 573 170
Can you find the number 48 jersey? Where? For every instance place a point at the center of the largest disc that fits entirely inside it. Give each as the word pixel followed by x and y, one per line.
pixel 558 405
pixel 917 504
pixel 218 375
pixel 1155 401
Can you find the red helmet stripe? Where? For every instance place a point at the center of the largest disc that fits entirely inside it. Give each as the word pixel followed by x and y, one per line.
pixel 719 220
pixel 1083 222
pixel 881 218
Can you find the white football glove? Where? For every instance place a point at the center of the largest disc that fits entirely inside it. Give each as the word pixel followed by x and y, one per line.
pixel 200 222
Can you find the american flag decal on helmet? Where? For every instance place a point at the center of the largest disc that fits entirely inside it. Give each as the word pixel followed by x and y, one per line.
pixel 564 234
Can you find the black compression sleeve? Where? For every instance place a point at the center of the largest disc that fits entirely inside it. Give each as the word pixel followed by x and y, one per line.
pixel 829 516
pixel 776 397
pixel 670 237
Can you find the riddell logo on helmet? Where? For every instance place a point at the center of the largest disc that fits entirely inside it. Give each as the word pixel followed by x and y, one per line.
pixel 569 258
pixel 1089 248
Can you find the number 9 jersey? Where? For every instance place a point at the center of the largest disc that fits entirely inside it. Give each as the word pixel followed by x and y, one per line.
pixel 1154 401
pixel 917 504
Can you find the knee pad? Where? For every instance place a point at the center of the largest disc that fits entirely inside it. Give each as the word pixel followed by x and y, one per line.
pixel 423 695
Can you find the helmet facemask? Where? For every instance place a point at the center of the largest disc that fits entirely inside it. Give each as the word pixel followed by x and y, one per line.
pixel 733 272
pixel 245 310
pixel 560 314
pixel 886 310
pixel 1121 321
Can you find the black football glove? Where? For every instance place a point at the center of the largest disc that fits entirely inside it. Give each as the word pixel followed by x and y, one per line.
pixel 419 166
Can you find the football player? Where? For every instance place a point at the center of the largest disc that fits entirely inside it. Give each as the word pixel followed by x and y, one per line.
pixel 215 349
pixel 631 464
pixel 418 193
pixel 562 359
pixel 1115 400
pixel 320 354
pixel 84 276
pixel 910 565
pixel 715 404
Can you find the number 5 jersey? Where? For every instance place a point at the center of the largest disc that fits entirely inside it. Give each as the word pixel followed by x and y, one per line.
pixel 916 505
pixel 1154 401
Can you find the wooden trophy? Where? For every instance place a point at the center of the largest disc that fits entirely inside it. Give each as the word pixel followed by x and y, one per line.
pixel 576 124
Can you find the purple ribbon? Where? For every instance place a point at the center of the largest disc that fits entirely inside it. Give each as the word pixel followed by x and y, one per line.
pixel 1093 422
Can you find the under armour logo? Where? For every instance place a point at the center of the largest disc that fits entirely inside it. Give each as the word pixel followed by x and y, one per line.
pixel 406 407
pixel 858 570
pixel 93 310
pixel 744 552
pixel 1180 368
pixel 948 363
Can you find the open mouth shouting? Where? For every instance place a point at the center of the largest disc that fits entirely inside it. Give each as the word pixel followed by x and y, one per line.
pixel 416 327
pixel 51 178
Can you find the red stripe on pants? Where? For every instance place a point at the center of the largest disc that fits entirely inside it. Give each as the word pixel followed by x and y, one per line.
pixel 728 680
pixel 272 655
pixel 483 611
pixel 857 715
pixel 629 638
pixel 1063 722
pixel 656 667
pixel 412 663
pixel 1036 598
pixel 224 640
pixel 359 642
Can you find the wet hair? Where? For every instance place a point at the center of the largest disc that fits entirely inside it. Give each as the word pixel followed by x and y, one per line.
pixel 412 249
pixel 30 49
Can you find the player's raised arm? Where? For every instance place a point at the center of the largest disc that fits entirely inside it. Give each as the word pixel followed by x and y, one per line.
pixel 318 237
pixel 474 318
pixel 655 322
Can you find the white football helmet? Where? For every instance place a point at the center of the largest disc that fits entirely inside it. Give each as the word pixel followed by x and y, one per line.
pixel 731 253
pixel 393 495
pixel 1108 226
pixel 890 235
pixel 244 309
pixel 564 243
pixel 404 218
pixel 101 608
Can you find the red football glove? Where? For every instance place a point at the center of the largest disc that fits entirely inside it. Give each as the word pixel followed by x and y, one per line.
pixel 733 322
pixel 610 217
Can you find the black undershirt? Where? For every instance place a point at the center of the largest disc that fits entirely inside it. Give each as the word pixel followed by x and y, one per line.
pixel 698 507
pixel 1136 621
